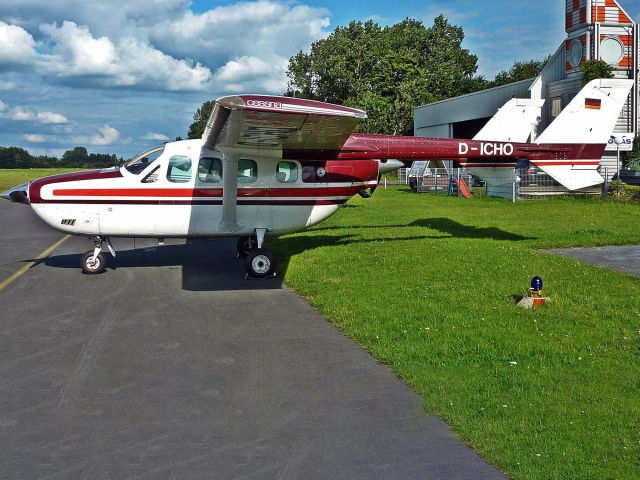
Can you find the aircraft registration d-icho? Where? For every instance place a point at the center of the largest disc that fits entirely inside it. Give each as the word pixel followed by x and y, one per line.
pixel 267 165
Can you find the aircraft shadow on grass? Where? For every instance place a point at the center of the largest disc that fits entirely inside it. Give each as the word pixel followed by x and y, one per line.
pixel 211 265
pixel 451 228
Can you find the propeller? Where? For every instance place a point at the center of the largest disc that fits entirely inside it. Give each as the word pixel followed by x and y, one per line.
pixel 19 194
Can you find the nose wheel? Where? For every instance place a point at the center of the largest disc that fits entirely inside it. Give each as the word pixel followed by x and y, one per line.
pixel 94 262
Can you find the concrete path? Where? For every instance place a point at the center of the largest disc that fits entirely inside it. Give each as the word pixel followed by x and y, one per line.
pixel 624 259
pixel 172 366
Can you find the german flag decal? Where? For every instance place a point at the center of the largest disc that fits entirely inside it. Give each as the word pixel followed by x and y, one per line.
pixel 592 103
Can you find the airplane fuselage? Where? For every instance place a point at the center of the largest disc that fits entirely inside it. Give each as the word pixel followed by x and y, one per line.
pixel 180 194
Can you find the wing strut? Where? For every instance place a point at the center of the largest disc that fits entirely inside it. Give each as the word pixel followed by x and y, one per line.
pixel 229 223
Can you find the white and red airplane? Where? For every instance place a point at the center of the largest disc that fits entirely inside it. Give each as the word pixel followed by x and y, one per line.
pixel 271 165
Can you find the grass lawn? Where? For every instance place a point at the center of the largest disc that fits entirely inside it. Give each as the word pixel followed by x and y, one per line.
pixel 427 285
pixel 12 177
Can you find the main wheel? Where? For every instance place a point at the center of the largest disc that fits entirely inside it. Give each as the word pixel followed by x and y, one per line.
pixel 260 263
pixel 92 265
pixel 245 245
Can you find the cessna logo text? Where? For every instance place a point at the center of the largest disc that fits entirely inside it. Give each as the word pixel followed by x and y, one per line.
pixel 263 104
pixel 486 149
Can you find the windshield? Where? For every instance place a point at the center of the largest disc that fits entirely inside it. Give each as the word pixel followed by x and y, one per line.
pixel 143 160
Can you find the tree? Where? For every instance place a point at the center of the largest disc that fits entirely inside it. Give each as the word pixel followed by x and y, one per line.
pixel 196 129
pixel 386 71
pixel 592 69
pixel 519 71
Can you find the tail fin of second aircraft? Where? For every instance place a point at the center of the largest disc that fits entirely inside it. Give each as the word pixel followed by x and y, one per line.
pixel 514 122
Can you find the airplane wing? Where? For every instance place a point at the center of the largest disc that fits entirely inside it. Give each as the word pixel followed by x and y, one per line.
pixel 279 123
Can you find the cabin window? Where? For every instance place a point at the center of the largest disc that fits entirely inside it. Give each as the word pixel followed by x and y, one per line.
pixel 210 170
pixel 556 106
pixel 287 172
pixel 247 171
pixel 179 170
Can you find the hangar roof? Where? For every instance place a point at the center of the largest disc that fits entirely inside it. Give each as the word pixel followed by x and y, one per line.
pixel 475 105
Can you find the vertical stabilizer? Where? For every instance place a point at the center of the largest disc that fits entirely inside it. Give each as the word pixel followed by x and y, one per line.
pixel 588 120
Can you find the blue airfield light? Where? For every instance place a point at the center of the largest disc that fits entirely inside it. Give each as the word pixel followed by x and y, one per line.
pixel 536 283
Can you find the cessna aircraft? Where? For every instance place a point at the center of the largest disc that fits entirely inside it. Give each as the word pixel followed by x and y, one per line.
pixel 270 165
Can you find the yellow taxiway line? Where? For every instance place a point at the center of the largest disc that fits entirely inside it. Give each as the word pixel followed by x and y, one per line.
pixel 27 266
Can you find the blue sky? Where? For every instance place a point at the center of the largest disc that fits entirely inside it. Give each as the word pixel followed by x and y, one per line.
pixel 120 76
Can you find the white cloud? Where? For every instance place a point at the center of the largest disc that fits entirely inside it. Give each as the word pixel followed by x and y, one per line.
pixel 3 106
pixel 106 135
pixel 155 136
pixel 34 138
pixel 247 74
pixel 20 114
pixel 130 62
pixel 7 85
pixel 18 46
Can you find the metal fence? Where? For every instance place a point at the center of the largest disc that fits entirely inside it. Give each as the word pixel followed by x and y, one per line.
pixel 528 183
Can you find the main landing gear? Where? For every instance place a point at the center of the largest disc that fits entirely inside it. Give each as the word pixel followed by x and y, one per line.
pixel 94 262
pixel 259 263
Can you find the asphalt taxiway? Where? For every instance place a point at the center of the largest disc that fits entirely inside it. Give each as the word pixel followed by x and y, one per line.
pixel 625 259
pixel 172 365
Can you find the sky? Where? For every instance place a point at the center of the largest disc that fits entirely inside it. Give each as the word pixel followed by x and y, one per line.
pixel 122 76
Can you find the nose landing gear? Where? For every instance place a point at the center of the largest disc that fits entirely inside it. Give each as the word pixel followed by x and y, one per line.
pixel 93 261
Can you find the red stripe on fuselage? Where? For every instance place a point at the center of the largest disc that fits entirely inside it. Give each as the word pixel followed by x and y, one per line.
pixel 311 192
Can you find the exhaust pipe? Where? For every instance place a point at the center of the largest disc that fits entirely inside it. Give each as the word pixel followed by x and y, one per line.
pixel 19 194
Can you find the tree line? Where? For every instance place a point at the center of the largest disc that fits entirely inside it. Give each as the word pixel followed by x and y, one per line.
pixel 15 157
pixel 387 71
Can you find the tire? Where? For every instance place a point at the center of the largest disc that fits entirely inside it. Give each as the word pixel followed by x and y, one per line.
pixel 245 245
pixel 260 263
pixel 91 265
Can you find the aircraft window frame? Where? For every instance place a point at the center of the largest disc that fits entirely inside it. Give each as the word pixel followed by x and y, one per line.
pixel 293 172
pixel 152 176
pixel 140 162
pixel 179 178
pixel 209 170
pixel 253 168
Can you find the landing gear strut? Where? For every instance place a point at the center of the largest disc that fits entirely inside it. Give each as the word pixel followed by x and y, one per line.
pixel 93 261
pixel 259 263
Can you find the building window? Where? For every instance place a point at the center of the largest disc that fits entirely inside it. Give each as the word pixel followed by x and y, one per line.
pixel 287 172
pixel 575 53
pixel 611 50
pixel 556 107
pixel 247 171
pixel 179 170
pixel 210 170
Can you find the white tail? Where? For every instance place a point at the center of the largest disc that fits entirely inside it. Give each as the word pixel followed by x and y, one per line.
pixel 514 122
pixel 588 119
pixel 591 116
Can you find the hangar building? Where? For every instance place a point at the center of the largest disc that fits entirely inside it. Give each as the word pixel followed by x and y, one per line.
pixel 596 29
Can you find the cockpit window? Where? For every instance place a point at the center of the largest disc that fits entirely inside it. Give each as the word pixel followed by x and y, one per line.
pixel 141 161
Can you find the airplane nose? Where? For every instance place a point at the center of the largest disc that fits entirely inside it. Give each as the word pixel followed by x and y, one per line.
pixel 19 194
